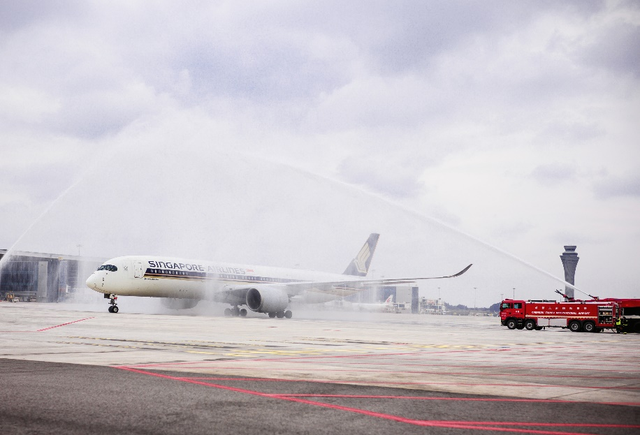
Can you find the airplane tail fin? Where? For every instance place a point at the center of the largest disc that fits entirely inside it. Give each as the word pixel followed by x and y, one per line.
pixel 389 300
pixel 359 266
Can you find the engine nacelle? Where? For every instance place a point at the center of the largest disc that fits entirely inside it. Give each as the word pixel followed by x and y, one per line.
pixel 179 304
pixel 267 300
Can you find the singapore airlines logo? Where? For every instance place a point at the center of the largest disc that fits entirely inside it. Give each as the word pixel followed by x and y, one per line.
pixel 362 258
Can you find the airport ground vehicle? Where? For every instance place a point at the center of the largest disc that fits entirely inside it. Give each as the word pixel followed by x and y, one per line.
pixel 629 313
pixel 588 316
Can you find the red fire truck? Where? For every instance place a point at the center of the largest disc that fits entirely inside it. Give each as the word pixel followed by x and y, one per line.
pixel 588 316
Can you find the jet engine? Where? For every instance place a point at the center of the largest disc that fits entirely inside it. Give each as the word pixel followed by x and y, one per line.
pixel 267 300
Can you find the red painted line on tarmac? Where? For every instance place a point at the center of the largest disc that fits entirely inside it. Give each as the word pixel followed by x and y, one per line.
pixel 486 425
pixel 64 324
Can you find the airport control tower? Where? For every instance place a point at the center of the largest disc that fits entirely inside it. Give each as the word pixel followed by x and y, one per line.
pixel 569 261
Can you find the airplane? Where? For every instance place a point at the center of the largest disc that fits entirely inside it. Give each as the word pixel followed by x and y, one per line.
pixel 183 283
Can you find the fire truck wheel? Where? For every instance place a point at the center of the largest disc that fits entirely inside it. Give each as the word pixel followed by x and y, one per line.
pixel 589 327
pixel 575 326
pixel 511 324
pixel 530 325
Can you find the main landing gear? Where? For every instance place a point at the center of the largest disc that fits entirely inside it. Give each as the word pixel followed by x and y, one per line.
pixel 113 305
pixel 238 312
pixel 235 312
pixel 281 314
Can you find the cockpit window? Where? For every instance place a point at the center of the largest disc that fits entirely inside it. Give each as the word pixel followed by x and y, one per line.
pixel 109 267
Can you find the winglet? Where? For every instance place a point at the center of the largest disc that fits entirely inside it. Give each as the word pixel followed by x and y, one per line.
pixel 359 266
pixel 462 271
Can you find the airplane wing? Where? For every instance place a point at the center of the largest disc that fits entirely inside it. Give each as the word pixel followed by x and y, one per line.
pixel 391 281
pixel 297 288
pixel 236 294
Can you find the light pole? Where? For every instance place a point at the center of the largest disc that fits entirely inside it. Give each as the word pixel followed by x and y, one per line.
pixel 474 298
pixel 514 293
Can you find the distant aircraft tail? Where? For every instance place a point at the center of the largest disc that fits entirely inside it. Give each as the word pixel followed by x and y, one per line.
pixel 359 266
pixel 389 300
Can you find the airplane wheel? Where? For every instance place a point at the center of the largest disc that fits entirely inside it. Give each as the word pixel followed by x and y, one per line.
pixel 288 314
pixel 114 309
pixel 111 309
pixel 280 314
pixel 235 312
pixel 243 313
pixel 272 315
pixel 227 312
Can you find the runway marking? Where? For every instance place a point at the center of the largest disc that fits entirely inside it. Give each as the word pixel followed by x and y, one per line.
pixel 308 359
pixel 50 327
pixel 427 383
pixel 440 373
pixel 65 324
pixel 516 427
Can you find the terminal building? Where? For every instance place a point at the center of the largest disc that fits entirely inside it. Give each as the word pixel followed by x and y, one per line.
pixel 38 277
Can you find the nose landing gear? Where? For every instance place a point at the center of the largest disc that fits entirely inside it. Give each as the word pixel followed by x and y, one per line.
pixel 113 307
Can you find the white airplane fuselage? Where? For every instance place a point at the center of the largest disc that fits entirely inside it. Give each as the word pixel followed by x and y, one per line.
pixel 195 279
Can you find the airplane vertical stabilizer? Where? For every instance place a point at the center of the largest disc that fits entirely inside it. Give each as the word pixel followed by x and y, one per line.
pixel 359 266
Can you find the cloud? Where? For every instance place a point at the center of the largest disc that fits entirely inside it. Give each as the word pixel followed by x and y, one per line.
pixel 617 186
pixel 553 174
pixel 23 105
pixel 614 44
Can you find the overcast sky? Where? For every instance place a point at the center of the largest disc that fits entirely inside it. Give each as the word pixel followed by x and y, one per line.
pixel 284 132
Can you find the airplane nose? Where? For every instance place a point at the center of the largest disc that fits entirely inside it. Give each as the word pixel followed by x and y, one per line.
pixel 92 282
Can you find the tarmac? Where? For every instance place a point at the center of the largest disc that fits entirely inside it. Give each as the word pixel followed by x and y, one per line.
pixel 78 369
